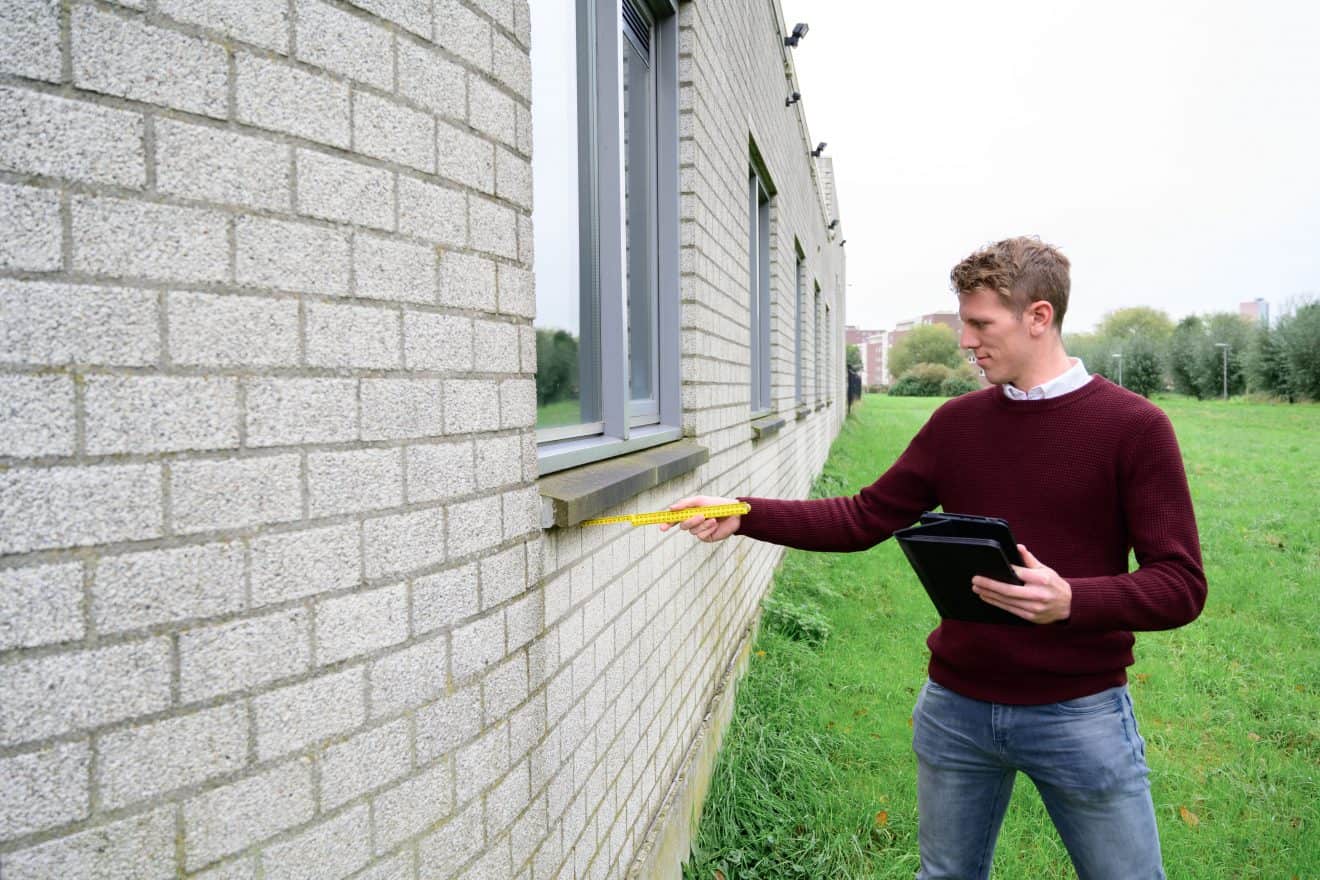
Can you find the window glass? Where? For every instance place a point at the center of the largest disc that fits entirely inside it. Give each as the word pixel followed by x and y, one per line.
pixel 639 213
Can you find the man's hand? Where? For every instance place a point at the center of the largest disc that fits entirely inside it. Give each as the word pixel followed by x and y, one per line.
pixel 708 530
pixel 1043 597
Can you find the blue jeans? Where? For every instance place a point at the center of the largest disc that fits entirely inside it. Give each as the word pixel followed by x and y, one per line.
pixel 1085 757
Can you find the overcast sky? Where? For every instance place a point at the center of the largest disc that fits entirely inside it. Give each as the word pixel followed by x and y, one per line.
pixel 1171 149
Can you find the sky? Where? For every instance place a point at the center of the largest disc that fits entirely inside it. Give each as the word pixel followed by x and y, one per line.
pixel 1171 149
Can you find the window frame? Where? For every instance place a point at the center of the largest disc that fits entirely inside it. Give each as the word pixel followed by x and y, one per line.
pixel 759 263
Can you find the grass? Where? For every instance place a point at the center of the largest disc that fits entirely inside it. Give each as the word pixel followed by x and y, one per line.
pixel 817 779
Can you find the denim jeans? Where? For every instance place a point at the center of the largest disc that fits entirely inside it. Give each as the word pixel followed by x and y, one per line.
pixel 1085 757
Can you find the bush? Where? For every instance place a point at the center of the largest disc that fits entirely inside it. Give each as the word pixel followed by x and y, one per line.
pixel 926 344
pixel 923 380
pixel 800 621
pixel 958 384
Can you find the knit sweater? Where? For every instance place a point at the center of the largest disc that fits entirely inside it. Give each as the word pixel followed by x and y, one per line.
pixel 1081 479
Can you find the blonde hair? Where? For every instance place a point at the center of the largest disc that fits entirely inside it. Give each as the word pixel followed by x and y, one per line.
pixel 1022 270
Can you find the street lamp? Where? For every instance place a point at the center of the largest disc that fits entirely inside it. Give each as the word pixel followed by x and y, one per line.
pixel 1224 346
pixel 1119 355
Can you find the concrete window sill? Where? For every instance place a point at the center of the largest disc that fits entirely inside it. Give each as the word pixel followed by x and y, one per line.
pixel 766 427
pixel 568 497
pixel 803 411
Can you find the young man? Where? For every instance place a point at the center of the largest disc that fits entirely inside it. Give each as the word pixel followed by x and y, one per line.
pixel 1083 471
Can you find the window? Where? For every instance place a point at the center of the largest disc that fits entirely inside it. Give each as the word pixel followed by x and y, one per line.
pixel 758 265
pixel 817 318
pixel 605 220
pixel 830 378
pixel 799 291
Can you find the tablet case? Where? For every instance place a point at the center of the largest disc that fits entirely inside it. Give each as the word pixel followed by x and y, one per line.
pixel 947 550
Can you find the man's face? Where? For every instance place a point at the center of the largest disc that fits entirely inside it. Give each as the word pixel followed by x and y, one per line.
pixel 1000 340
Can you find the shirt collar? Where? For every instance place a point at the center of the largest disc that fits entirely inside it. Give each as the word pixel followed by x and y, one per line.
pixel 1069 380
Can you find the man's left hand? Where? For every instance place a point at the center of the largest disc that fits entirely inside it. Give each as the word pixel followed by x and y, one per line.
pixel 1043 596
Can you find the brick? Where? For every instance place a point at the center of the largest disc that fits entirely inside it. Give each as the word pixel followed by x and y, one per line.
pixel 365 762
pixel 30 39
pixel 428 79
pixel 463 32
pixel 524 120
pixel 499 10
pixel 531 829
pixel 496 345
pixel 263 23
pixel 443 599
pixel 504 688
pixel 414 806
pixel 72 140
pixel 78 506
pixel 30 235
pixel 437 342
pixel 234 493
pixel 434 213
pixel 298 715
pixel 304 563
pixel 357 480
pixel 404 542
pixel 474 526
pixel 517 292
pixel 408 678
pixel 465 158
pixel 491 111
pixel 229 819
pixel 291 256
pixel 494 228
pixel 365 337
pixel 141 762
pixel 235 656
pixel 217 165
pixel 396 867
pixel 140 846
pixel 507 801
pixel 476 646
pixel 345 44
pixel 136 414
pixel 284 412
pixel 333 849
pixel 448 722
pixel 471 405
pixel 44 789
pixel 39 415
pixel 414 15
pixel 444 851
pixel 499 461
pixel 58 693
pixel 513 178
pixel 138 590
pixel 242 869
pixel 517 403
pixel 40 605
pixel 361 623
pixel 124 57
pixel 439 471
pixel 478 764
pixel 393 132
pixel 503 576
pixel 527 348
pixel 386 268
pixel 525 619
pixel 226 330
pixel 160 242
pixel 526 246
pixel 279 97
pixel 400 409
pixel 512 66
pixel 340 189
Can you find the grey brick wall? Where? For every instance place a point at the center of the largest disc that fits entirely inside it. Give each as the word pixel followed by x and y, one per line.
pixel 274 597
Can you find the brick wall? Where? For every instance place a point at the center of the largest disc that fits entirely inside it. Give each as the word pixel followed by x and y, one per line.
pixel 274 598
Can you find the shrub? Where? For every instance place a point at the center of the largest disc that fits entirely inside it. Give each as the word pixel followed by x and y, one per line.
pixel 923 380
pixel 958 384
pixel 800 621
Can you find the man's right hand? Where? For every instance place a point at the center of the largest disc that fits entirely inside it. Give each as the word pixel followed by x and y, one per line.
pixel 708 530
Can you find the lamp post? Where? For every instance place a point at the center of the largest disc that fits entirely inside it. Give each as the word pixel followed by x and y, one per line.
pixel 1224 346
pixel 1119 355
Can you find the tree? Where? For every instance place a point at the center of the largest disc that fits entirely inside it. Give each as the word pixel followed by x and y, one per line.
pixel 1095 352
pixel 854 358
pixel 556 365
pixel 1143 369
pixel 1143 321
pixel 1185 346
pixel 1223 328
pixel 1267 364
pixel 1301 342
pixel 926 344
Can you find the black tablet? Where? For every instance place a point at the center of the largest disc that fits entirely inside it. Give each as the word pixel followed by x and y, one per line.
pixel 946 555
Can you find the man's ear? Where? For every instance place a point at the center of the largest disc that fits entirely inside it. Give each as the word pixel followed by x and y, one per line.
pixel 1039 317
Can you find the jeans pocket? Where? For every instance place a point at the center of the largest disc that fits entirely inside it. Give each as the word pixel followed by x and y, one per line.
pixel 1092 704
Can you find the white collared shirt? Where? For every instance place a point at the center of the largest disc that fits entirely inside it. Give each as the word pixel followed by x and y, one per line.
pixel 1069 380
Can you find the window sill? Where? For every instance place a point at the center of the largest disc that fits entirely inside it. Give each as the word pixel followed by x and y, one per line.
pixel 568 497
pixel 766 427
pixel 803 411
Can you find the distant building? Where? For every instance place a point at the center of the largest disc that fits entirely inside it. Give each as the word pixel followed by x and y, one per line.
pixel 903 328
pixel 1257 310
pixel 874 348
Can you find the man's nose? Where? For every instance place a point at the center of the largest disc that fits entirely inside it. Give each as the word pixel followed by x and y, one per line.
pixel 966 340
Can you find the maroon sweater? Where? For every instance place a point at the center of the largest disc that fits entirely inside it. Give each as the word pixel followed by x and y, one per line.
pixel 1081 479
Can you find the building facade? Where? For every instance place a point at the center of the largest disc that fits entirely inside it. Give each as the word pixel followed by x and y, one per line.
pixel 292 581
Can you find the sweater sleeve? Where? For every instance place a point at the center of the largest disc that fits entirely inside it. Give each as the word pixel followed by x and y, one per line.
pixel 852 523
pixel 1168 589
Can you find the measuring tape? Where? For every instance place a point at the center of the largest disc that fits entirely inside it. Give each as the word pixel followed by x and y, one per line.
pixel 671 516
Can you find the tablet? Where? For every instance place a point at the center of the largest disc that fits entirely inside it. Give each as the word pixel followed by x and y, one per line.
pixel 946 558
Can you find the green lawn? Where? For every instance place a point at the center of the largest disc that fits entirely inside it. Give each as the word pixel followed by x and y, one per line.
pixel 816 778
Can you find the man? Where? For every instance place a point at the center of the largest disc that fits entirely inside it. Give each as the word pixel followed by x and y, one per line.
pixel 1083 471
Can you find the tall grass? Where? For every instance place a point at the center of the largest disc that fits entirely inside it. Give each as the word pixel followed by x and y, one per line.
pixel 817 779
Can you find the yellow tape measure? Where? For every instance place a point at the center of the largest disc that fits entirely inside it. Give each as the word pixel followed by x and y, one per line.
pixel 671 516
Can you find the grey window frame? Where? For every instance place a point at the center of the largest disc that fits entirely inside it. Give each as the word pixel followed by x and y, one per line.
pixel 758 265
pixel 601 211
pixel 799 294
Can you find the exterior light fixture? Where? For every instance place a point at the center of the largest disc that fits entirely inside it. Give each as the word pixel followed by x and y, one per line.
pixel 792 99
pixel 820 148
pixel 833 223
pixel 799 31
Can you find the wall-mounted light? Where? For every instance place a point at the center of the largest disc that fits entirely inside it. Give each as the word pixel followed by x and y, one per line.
pixel 833 223
pixel 820 148
pixel 792 99
pixel 842 243
pixel 799 31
